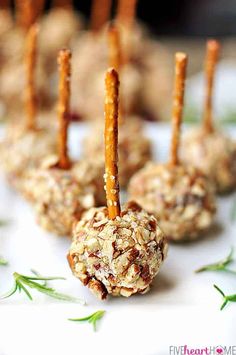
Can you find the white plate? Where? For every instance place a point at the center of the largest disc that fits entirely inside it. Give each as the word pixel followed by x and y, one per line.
pixel 182 308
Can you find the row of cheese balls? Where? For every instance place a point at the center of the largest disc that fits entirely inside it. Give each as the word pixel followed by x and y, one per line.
pixel 113 252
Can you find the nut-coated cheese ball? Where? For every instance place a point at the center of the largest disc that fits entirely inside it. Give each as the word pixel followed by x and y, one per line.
pixel 119 257
pixel 92 55
pixel 145 66
pixel 215 154
pixel 180 197
pixel 6 22
pixel 89 173
pixel 57 30
pixel 57 196
pixel 22 150
pixel 134 147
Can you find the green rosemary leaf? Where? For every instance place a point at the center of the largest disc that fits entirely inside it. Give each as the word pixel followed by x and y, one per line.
pixel 226 298
pixel 41 278
pixel 22 287
pixel 233 211
pixel 3 262
pixel 225 301
pixel 36 273
pixel 92 318
pixel 231 298
pixel 219 290
pixel 51 292
pixel 229 117
pixel 4 222
pixel 11 292
pixel 23 282
pixel 191 114
pixel 220 265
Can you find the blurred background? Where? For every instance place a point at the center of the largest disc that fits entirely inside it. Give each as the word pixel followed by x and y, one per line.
pixel 174 25
pixel 183 24
pixel 183 17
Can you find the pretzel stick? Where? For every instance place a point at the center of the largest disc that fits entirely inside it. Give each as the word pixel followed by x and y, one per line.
pixel 24 13
pixel 115 58
pixel 40 4
pixel 30 64
pixel 114 47
pixel 28 11
pixel 5 4
pixel 111 143
pixel 212 55
pixel 178 101
pixel 126 12
pixel 100 14
pixel 62 3
pixel 64 67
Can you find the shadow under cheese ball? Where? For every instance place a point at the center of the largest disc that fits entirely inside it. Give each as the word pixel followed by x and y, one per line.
pixel 116 251
pixel 206 146
pixel 180 196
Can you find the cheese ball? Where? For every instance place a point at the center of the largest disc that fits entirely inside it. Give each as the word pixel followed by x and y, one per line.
pixel 12 73
pixel 134 148
pixel 154 68
pixel 215 154
pixel 57 30
pixel 11 39
pixel 57 197
pixel 89 174
pixel 140 75
pixel 23 149
pixel 181 197
pixel 88 78
pixel 156 91
pixel 11 57
pixel 6 21
pixel 119 257
pixel 15 128
pixel 13 83
pixel 12 46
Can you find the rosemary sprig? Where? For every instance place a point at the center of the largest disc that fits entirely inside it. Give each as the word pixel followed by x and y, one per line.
pixel 36 273
pixel 220 265
pixel 233 211
pixel 226 299
pixel 4 222
pixel 3 262
pixel 230 116
pixel 92 318
pixel 22 282
pixel 192 115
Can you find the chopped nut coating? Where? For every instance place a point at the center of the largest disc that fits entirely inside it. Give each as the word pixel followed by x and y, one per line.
pixel 120 256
